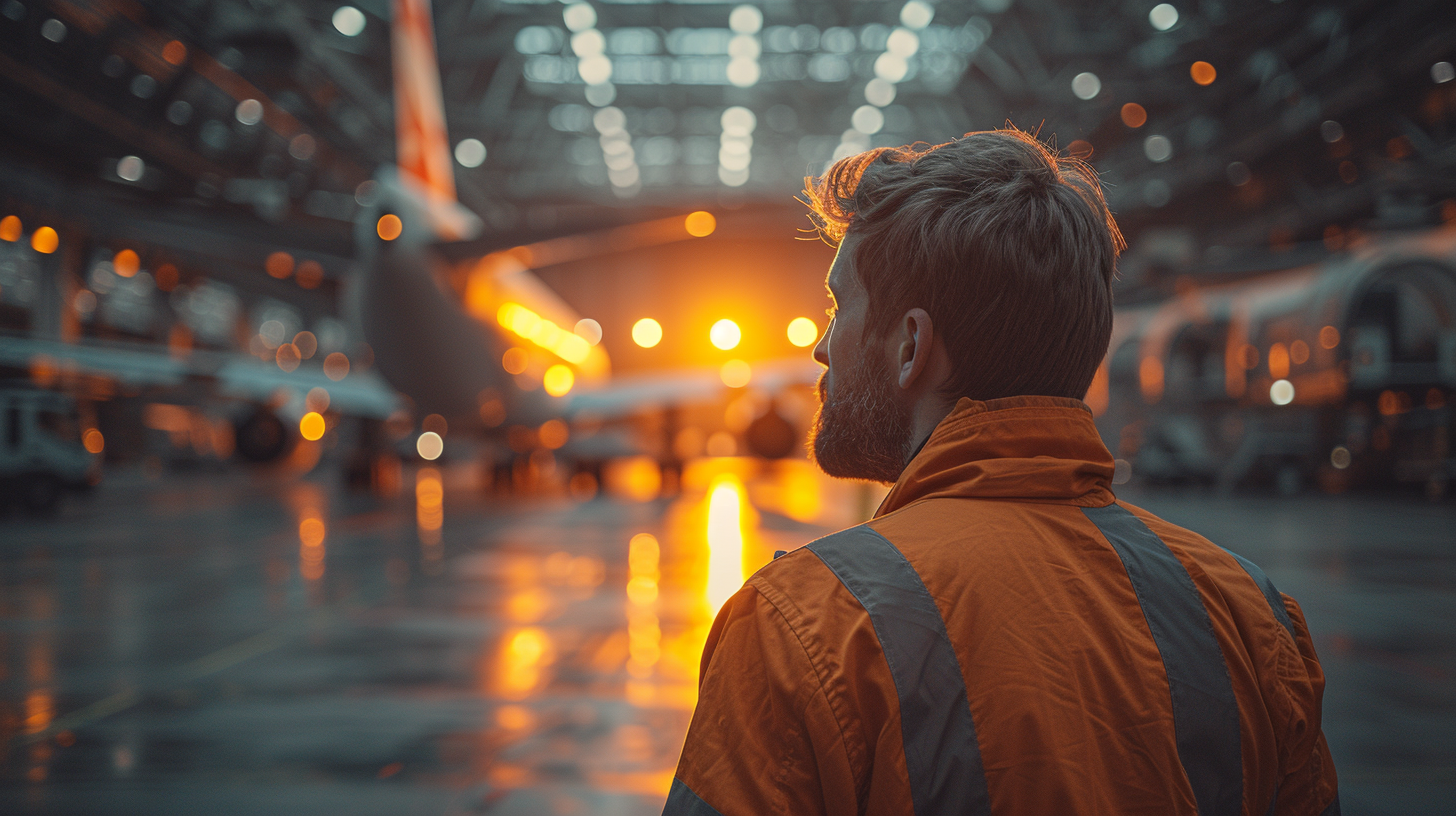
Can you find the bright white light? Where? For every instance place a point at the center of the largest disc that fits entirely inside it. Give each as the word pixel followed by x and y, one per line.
pixel 744 45
pixel 1443 72
pixel 588 43
pixel 880 93
pixel 902 42
pixel 867 119
pixel 1163 16
pixel 737 144
pixel 744 72
pixel 430 445
pixel 595 70
pixel 916 14
pixel 625 177
pixel 579 16
pixel 745 20
pixel 730 160
pixel 891 68
pixel 349 21
pixel 732 178
pixel 1086 85
pixel 249 111
pixel 131 168
pixel 738 121
pixel 1281 392
pixel 620 161
pixel 53 30
pixel 1158 148
pixel 470 152
pixel 609 120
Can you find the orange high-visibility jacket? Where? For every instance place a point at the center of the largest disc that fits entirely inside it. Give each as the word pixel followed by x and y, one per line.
pixel 1004 637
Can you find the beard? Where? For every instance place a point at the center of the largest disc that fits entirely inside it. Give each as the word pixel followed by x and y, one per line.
pixel 862 432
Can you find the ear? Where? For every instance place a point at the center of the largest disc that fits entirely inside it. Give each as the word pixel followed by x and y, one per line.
pixel 916 342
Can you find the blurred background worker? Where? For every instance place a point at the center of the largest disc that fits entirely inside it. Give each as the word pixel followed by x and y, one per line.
pixel 393 391
pixel 1003 636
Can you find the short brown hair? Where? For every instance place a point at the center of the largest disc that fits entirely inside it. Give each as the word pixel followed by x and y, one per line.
pixel 1009 247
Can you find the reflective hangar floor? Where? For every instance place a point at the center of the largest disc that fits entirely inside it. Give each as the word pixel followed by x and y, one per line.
pixel 227 643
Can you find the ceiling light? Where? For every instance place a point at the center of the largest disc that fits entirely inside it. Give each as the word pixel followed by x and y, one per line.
pixel 349 21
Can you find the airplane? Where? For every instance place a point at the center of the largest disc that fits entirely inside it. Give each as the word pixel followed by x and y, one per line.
pixel 1341 371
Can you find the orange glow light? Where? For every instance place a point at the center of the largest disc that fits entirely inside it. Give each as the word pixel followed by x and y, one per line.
pixel 1278 361
pixel 567 345
pixel 735 373
pixel 311 427
pixel 93 440
pixel 514 360
pixel 317 399
pixel 389 226
pixel 558 380
pixel 336 366
pixel 725 334
pixel 700 224
pixel 279 265
pixel 647 332
pixel 1134 115
pixel 803 331
pixel 45 240
pixel 309 275
pixel 553 434
pixel 10 228
pixel 174 52
pixel 1299 352
pixel 126 263
pixel 1203 73
pixel 167 277
pixel 1150 378
pixel 287 357
pixel 1329 337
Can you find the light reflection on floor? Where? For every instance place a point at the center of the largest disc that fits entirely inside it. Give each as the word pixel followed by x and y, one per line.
pixel 234 644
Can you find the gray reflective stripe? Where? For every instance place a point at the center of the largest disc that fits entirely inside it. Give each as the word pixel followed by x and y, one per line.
pixel 681 801
pixel 941 752
pixel 1266 586
pixel 1205 711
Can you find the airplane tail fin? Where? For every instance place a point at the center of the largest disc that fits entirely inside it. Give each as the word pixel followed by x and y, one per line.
pixel 422 141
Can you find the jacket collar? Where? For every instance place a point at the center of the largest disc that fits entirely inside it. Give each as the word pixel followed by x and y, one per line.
pixel 1042 449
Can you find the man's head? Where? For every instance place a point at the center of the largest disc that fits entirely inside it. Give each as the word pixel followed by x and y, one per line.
pixel 978 268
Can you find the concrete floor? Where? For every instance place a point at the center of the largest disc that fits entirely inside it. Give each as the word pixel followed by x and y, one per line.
pixel 237 643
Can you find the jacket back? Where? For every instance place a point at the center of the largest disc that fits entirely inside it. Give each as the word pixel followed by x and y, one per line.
pixel 1005 637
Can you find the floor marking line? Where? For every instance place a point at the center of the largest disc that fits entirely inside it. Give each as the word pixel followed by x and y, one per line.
pixel 228 656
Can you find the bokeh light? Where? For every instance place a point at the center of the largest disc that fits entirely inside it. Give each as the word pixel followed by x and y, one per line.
pixel 429 445
pixel 1134 115
pixel 389 226
pixel 736 373
pixel 803 331
pixel 1203 73
pixel 647 332
pixel 558 380
pixel 312 426
pixel 700 224
pixel 725 334
pixel 45 240
pixel 126 263
pixel 349 21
